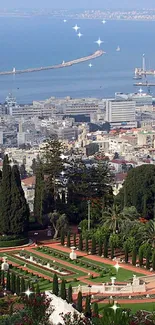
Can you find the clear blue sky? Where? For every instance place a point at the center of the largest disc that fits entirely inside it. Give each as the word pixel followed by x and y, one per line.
pixel 78 4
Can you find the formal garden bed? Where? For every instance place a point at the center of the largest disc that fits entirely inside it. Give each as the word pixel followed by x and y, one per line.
pixel 43 263
pixel 105 271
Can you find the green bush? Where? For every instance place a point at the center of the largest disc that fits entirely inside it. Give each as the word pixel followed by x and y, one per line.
pixel 13 242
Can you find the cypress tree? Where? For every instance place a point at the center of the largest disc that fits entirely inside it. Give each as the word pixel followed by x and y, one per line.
pixel 68 239
pixel 80 242
pixel 140 253
pixel 88 307
pixel 100 248
pixel 148 257
pixel 62 237
pixel 126 251
pixel 112 250
pixel 153 261
pixel 37 288
pixel 19 215
pixel 79 302
pixel 87 243
pixel 95 310
pixel 55 285
pixel 74 239
pixel 32 287
pixel 5 197
pixel 38 198
pixel 22 287
pixel 18 285
pixel 93 248
pixel 63 289
pixel 70 292
pixel 8 281
pixel 2 279
pixel 105 252
pixel 13 282
pixel 134 256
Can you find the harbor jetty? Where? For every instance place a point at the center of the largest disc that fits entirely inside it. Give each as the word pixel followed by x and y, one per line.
pixel 58 66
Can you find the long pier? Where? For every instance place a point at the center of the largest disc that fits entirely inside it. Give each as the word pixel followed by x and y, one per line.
pixel 58 66
pixel 144 84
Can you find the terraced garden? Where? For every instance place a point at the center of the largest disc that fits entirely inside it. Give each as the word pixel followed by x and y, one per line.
pixel 39 265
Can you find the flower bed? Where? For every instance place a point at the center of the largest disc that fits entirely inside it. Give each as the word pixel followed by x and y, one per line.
pixel 44 264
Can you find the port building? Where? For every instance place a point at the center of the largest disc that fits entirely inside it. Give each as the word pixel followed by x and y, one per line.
pixel 121 113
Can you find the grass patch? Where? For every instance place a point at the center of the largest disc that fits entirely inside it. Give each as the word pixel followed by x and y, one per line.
pixel 150 306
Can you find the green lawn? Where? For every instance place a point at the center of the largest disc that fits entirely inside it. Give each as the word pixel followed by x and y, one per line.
pixel 134 307
pixel 121 275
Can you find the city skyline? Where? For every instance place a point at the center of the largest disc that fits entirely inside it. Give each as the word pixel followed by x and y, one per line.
pixel 82 4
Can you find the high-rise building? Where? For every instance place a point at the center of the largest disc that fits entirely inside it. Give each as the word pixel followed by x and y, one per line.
pixel 121 113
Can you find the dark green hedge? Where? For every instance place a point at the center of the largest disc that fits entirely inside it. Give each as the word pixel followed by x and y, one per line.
pixel 14 242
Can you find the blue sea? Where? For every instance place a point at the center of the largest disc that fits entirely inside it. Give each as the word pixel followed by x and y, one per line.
pixel 39 41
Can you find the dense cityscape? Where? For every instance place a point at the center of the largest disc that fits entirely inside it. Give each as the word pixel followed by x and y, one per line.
pixel 77 200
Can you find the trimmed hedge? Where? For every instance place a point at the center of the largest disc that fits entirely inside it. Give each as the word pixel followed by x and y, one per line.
pixel 14 242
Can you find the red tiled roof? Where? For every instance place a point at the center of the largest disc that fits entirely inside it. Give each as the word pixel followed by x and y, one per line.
pixel 30 181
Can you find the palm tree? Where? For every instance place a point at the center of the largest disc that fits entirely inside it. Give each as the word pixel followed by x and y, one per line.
pixel 113 218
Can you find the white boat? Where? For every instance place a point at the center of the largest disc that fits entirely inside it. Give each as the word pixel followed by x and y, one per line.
pixel 118 49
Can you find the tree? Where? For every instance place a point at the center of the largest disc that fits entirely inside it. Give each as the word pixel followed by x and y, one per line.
pixel 63 289
pixel 22 170
pixel 69 296
pixel 153 261
pixel 148 257
pixel 93 248
pixel 134 255
pixel 18 289
pixel 19 214
pixel 91 149
pixel 37 289
pixel 95 310
pixel 58 221
pixel 113 218
pixel 68 239
pixel 140 187
pixel 100 248
pixel 105 251
pixel 79 302
pixel 88 184
pixel 39 190
pixel 87 243
pixel 13 282
pixel 34 166
pixel 2 278
pixel 55 285
pixel 53 165
pixel 88 307
pixel 8 281
pixel 126 251
pixel 114 242
pixel 140 254
pixel 62 237
pixel 5 197
pixel 80 242
pixel 22 285
pixel 74 239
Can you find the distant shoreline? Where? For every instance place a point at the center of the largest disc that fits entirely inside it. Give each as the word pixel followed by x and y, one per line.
pixel 75 18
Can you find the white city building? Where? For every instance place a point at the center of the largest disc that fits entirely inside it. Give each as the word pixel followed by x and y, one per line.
pixel 121 113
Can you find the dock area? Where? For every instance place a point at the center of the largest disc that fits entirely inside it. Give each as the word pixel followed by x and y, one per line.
pixel 144 84
pixel 58 66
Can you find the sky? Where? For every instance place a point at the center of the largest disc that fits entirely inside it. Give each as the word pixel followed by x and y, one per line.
pixel 80 4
